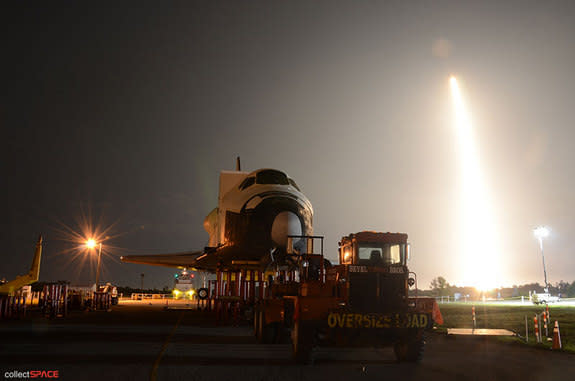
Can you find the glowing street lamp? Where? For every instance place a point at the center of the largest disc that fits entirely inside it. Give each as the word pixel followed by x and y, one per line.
pixel 541 232
pixel 91 244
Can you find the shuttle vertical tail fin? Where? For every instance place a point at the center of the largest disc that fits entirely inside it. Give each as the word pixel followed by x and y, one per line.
pixel 35 269
pixel 31 277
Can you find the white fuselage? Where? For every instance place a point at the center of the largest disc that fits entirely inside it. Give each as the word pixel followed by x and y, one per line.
pixel 238 198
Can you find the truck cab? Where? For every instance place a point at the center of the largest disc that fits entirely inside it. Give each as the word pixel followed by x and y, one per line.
pixel 374 249
pixel 362 301
pixel 375 267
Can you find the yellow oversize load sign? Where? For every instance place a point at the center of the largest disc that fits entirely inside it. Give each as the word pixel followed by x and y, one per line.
pixel 354 320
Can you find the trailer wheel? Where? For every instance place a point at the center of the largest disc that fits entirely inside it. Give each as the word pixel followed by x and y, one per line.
pixel 410 349
pixel 265 333
pixel 260 326
pixel 257 322
pixel 302 342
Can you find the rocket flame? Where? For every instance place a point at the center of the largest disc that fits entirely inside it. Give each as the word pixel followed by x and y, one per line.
pixel 479 251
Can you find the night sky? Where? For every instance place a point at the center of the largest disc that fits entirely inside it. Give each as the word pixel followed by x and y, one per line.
pixel 123 116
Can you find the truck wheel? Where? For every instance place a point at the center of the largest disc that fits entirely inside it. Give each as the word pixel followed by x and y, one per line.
pixel 257 323
pixel 302 343
pixel 260 326
pixel 410 350
pixel 268 333
pixel 265 332
pixel 282 335
pixel 416 349
pixel 400 348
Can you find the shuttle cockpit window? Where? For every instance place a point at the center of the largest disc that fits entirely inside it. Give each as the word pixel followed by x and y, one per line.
pixel 293 184
pixel 372 254
pixel 270 176
pixel 248 181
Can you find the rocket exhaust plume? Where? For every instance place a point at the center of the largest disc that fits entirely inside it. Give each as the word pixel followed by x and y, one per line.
pixel 480 261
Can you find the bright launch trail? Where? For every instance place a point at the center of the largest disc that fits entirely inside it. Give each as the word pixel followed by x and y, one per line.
pixel 480 264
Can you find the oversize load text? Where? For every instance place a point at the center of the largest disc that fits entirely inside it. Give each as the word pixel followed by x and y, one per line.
pixel 352 320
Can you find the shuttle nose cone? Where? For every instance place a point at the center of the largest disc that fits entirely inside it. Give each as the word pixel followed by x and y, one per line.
pixel 285 223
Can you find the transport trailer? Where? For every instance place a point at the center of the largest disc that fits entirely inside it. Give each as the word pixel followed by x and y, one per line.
pixel 362 302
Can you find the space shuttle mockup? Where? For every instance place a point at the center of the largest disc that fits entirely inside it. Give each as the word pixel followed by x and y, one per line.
pixel 255 214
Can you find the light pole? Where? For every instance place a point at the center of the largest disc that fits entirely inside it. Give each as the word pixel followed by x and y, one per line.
pixel 98 266
pixel 90 244
pixel 541 232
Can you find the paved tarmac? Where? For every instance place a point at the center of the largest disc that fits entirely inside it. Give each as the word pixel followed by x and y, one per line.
pixel 142 342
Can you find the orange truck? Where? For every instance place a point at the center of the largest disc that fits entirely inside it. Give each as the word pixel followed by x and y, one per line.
pixel 363 301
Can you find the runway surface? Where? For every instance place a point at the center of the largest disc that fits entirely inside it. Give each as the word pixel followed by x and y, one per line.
pixel 141 342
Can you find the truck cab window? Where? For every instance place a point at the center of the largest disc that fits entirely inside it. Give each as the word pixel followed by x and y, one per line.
pixel 377 255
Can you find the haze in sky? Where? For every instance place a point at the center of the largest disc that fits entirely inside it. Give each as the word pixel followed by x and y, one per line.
pixel 127 113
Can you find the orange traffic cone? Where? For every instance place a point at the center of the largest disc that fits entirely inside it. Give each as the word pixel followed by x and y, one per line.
pixel 556 336
pixel 536 329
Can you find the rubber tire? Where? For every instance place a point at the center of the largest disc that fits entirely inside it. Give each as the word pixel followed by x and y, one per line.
pixel 265 333
pixel 257 323
pixel 260 326
pixel 302 343
pixel 409 350
pixel 268 333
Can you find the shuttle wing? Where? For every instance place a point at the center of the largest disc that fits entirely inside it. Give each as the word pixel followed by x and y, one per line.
pixel 232 258
pixel 224 257
pixel 181 260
